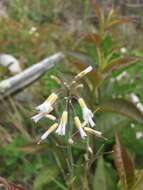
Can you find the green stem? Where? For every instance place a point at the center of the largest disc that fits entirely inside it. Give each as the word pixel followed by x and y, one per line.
pixel 86 184
pixel 69 146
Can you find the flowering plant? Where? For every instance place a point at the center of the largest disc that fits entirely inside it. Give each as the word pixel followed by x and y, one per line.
pixel 60 125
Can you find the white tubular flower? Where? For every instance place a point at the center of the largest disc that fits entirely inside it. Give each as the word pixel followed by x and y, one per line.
pixel 87 113
pixel 47 105
pixel 50 130
pixel 92 131
pixel 84 72
pixel 79 127
pixel 63 122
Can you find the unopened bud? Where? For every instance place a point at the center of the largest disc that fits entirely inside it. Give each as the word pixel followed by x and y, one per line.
pixel 56 79
pixel 90 149
pixel 84 72
pixel 70 141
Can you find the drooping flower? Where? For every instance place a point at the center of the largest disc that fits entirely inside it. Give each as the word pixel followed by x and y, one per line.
pixel 87 113
pixel 79 127
pixel 37 117
pixel 40 115
pixel 62 125
pixel 45 108
pixel 50 130
pixel 46 105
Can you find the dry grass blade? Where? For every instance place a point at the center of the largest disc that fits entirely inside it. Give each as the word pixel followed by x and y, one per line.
pixel 32 148
pixel 9 186
pixel 96 8
pixel 5 136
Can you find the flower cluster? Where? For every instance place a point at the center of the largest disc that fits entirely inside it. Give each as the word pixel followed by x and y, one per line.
pixel 60 125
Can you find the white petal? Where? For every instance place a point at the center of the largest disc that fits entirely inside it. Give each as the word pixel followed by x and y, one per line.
pixel 87 116
pixel 50 130
pixel 60 130
pixel 45 135
pixel 82 132
pixel 45 108
pixel 87 113
pixel 88 69
pixel 63 130
pixel 91 122
pixel 37 117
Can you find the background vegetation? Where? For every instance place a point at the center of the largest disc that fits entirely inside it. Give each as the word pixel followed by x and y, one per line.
pixel 109 40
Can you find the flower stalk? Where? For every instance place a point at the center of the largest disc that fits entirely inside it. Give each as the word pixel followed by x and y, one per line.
pixel 62 124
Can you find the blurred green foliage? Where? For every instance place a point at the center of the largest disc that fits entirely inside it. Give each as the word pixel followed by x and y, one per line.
pixel 35 29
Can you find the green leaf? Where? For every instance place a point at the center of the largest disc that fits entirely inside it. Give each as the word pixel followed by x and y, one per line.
pixel 124 164
pixel 138 185
pixel 107 45
pixel 123 107
pixel 109 122
pixel 45 177
pixel 104 178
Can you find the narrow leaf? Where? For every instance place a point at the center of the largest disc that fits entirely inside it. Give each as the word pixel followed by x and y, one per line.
pixel 81 57
pixel 104 177
pixel 124 164
pixel 118 21
pixel 120 63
